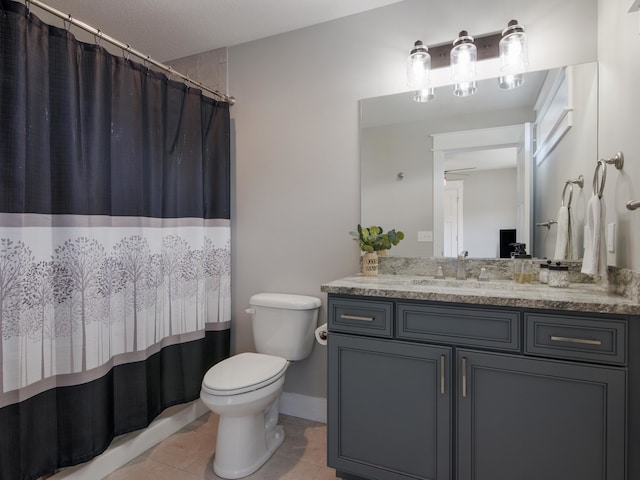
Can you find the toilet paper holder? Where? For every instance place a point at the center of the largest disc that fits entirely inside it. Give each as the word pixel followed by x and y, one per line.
pixel 321 334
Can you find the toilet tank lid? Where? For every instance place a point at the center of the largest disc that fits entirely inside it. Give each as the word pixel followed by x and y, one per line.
pixel 284 300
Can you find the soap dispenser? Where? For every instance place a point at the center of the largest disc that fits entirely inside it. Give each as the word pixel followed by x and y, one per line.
pixel 522 264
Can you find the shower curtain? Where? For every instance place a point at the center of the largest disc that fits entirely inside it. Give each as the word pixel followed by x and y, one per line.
pixel 114 244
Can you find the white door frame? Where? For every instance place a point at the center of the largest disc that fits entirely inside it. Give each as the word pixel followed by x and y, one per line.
pixel 482 139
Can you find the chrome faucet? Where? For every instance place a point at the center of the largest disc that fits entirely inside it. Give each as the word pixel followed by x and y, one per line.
pixel 462 272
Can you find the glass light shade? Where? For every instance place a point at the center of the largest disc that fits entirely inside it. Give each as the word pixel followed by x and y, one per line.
pixel 509 82
pixel 465 89
pixel 424 95
pixel 464 56
pixel 513 49
pixel 419 67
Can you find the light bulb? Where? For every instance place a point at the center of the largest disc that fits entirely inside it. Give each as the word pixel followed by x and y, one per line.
pixel 464 56
pixel 419 66
pixel 513 50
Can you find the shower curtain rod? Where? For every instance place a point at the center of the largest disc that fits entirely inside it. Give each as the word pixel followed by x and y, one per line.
pixel 126 48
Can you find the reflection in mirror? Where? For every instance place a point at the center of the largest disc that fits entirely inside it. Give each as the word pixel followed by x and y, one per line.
pixel 459 172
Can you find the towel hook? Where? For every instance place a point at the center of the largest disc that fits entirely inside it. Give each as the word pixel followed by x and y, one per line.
pixel 578 181
pixel 547 224
pixel 617 160
pixel 564 191
pixel 598 187
pixel 633 204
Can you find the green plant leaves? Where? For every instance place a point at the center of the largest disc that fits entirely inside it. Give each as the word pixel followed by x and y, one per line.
pixel 372 239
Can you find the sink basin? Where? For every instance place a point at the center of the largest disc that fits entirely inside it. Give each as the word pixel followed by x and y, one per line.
pixel 469 283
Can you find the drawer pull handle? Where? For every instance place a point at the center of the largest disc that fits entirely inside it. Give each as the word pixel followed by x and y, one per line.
pixel 583 341
pixel 344 316
pixel 464 377
pixel 442 368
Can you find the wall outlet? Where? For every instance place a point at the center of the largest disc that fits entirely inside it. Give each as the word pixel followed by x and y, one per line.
pixel 425 236
pixel 611 237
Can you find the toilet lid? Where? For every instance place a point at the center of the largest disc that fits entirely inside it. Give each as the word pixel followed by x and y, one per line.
pixel 243 373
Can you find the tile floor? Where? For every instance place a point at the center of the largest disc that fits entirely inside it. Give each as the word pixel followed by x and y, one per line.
pixel 188 454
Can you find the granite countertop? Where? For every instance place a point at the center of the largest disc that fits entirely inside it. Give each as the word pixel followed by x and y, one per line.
pixel 577 297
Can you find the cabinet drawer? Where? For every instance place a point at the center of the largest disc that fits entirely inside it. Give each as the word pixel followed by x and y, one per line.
pixel 577 338
pixel 366 317
pixel 482 327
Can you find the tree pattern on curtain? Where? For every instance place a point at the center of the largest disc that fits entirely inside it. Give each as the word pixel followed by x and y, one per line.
pixel 120 298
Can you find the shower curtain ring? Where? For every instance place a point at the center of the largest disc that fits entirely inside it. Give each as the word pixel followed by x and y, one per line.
pixel 67 23
pixel 97 37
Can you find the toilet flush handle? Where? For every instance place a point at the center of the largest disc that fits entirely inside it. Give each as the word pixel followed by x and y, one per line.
pixel 250 311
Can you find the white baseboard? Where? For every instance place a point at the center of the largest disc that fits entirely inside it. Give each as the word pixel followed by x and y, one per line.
pixel 125 448
pixel 303 406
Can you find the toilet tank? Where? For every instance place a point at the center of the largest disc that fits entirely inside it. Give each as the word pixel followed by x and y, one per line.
pixel 284 324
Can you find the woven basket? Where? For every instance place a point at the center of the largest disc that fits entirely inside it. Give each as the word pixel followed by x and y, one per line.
pixel 370 264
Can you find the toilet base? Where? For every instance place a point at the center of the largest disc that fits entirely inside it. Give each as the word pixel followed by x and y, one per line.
pixel 230 472
pixel 244 444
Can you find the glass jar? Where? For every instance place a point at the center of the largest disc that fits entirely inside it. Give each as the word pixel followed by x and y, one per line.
pixel 543 276
pixel 558 275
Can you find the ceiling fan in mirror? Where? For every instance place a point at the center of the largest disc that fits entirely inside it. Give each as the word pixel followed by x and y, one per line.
pixel 456 172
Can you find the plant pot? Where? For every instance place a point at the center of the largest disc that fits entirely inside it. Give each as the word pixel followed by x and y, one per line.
pixel 370 264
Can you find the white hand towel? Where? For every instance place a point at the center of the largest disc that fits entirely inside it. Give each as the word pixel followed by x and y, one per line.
pixel 572 249
pixel 595 245
pixel 562 238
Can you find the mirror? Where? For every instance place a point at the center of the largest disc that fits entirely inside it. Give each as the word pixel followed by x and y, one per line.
pixel 465 173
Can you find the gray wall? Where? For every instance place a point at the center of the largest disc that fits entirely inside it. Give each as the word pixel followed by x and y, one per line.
pixel 296 135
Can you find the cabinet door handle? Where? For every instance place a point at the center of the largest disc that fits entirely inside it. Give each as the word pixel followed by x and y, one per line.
pixel 583 341
pixel 463 367
pixel 344 316
pixel 442 368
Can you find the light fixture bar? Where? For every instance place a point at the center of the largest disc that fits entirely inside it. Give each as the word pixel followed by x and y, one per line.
pixel 487 45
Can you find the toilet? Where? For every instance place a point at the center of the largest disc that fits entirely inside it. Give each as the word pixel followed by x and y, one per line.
pixel 244 390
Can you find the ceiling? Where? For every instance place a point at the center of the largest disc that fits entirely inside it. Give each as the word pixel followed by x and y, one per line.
pixel 169 29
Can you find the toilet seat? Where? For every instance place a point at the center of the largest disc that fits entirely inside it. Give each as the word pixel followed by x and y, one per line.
pixel 243 373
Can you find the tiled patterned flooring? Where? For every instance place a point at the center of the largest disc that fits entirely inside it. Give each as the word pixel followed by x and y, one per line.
pixel 188 454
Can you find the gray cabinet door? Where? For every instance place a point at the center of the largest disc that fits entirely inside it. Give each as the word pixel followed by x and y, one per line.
pixel 532 419
pixel 389 409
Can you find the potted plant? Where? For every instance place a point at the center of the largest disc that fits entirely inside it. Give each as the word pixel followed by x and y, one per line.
pixel 373 241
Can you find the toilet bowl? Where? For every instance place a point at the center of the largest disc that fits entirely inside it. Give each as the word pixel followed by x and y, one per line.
pixel 244 390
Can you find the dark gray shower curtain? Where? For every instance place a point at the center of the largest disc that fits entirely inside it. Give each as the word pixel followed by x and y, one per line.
pixel 114 244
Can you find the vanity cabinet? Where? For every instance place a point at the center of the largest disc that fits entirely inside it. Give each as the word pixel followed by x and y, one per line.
pixel 535 419
pixel 437 391
pixel 391 408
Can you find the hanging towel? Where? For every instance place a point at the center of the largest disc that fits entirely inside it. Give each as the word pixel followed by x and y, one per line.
pixel 566 241
pixel 595 245
pixel 562 251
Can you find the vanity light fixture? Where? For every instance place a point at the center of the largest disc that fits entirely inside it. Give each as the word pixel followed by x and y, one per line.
pixel 513 56
pixel 464 56
pixel 510 46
